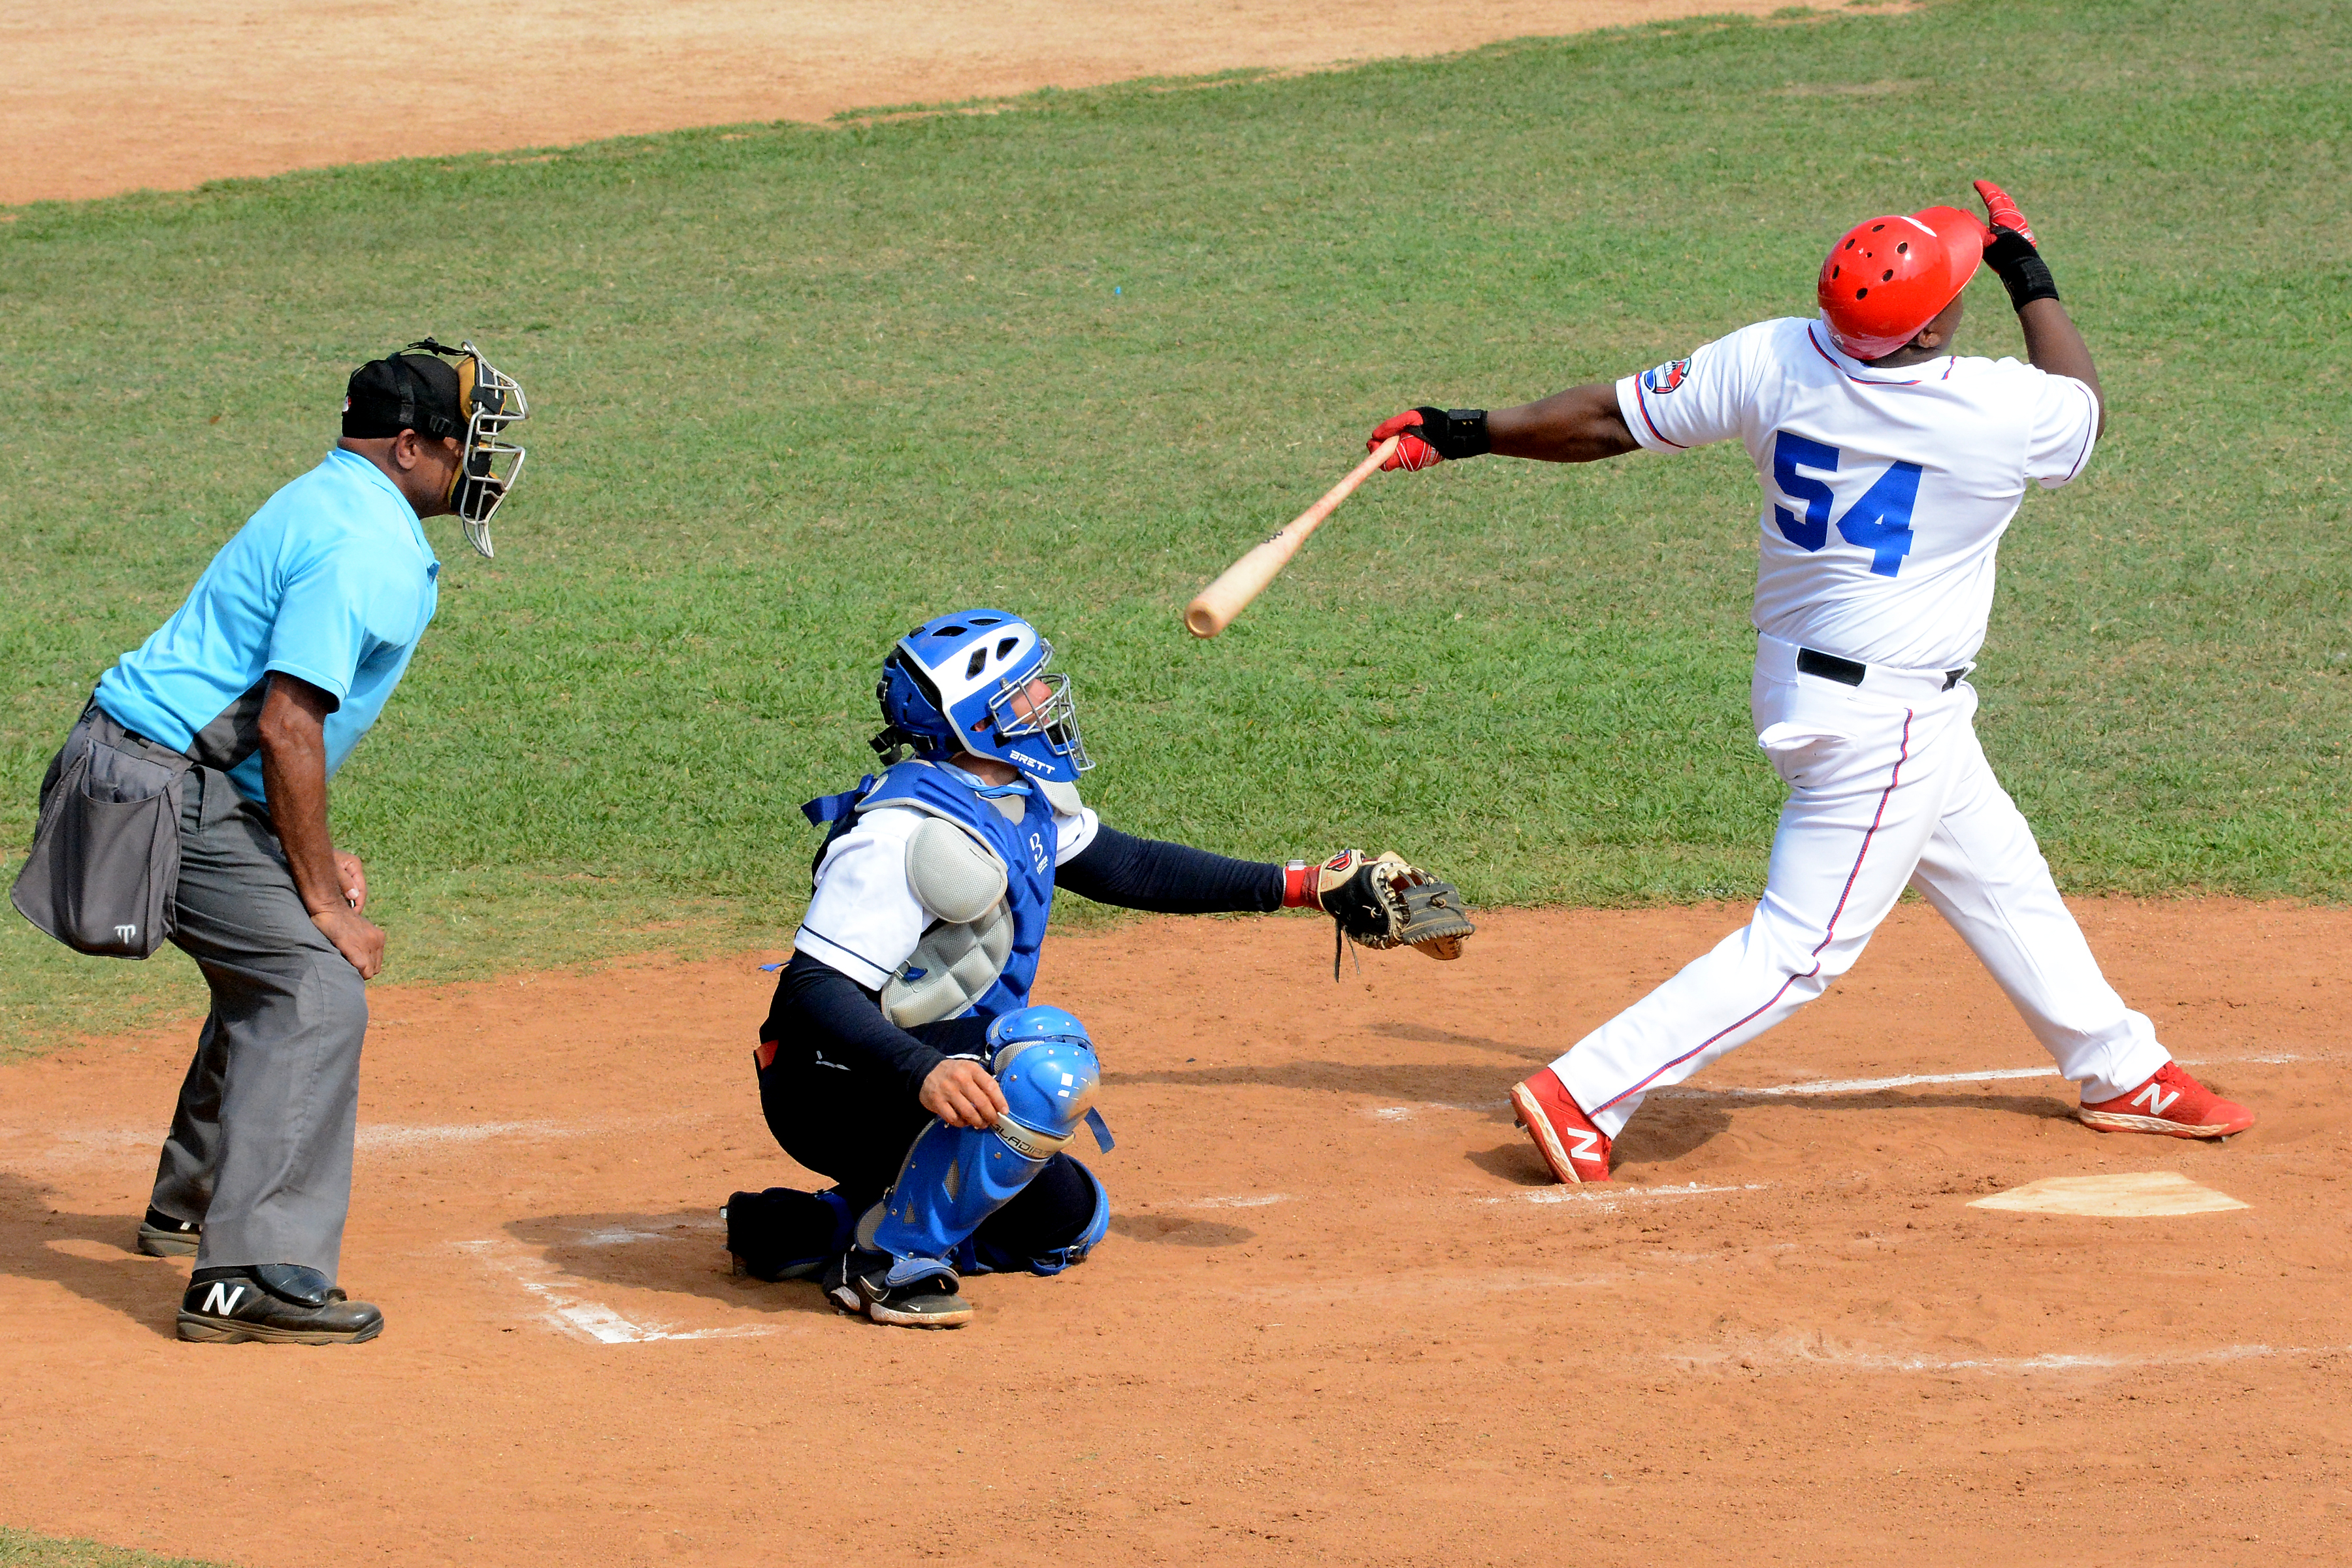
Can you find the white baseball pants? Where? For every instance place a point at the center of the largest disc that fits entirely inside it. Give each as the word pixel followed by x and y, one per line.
pixel 1887 785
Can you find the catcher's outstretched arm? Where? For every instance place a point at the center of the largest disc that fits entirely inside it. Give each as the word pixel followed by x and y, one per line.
pixel 1375 901
pixel 1167 878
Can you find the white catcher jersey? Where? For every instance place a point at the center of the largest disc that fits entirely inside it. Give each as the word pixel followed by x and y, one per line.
pixel 1885 491
pixel 864 919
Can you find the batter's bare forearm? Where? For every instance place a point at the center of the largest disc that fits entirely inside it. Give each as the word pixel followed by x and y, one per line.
pixel 2053 343
pixel 294 773
pixel 1582 425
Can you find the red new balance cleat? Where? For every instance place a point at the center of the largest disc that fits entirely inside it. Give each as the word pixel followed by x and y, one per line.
pixel 2171 1103
pixel 1569 1142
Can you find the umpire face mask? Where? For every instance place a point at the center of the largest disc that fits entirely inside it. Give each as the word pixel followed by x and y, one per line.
pixel 471 402
pixel 489 465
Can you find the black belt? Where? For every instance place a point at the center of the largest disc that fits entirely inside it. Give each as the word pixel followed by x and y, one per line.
pixel 1848 672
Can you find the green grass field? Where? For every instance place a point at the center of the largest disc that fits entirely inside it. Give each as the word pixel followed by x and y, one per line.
pixel 23 1548
pixel 797 388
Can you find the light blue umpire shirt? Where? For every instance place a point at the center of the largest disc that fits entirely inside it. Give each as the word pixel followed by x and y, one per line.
pixel 331 580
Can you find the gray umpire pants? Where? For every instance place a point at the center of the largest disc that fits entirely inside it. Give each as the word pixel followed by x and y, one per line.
pixel 260 1151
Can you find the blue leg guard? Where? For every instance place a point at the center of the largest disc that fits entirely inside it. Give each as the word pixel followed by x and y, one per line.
pixel 955 1177
pixel 983 1255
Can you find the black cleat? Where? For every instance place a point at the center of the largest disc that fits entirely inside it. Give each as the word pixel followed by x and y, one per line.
pixel 783 1233
pixel 160 1236
pixel 854 1284
pixel 275 1303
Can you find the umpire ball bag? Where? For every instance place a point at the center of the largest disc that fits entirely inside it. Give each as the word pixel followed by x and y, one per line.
pixel 105 860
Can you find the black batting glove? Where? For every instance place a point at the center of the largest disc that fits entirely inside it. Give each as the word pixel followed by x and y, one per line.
pixel 2020 268
pixel 1457 433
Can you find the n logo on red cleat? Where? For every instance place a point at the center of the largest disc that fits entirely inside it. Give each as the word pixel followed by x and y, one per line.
pixel 2155 1099
pixel 1583 1144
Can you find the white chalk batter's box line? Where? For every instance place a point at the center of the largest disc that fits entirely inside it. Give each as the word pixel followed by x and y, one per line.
pixel 1827 1086
pixel 70 1145
pixel 385 1136
pixel 1873 1085
pixel 1829 1359
pixel 1401 1113
pixel 591 1320
pixel 1607 1199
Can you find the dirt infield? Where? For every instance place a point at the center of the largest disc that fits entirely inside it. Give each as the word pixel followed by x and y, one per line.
pixel 1340 1318
pixel 118 95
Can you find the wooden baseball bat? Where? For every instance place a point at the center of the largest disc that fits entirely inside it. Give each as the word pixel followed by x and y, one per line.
pixel 1214 609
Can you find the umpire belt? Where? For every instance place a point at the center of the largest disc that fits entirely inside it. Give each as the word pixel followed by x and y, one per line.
pixel 1781 660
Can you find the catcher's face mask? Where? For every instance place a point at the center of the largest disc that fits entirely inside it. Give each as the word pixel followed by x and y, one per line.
pixel 491 400
pixel 977 681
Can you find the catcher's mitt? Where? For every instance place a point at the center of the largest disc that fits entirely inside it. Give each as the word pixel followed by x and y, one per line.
pixel 1389 902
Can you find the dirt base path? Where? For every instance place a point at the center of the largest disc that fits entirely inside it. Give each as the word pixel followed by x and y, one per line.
pixel 121 94
pixel 1340 1318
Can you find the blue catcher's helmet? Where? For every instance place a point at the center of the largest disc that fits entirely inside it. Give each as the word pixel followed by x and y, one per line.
pixel 968 682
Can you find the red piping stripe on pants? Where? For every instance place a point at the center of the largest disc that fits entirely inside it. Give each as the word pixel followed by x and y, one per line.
pixel 1827 937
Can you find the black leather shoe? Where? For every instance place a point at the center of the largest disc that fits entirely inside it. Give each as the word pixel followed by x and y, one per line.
pixel 160 1236
pixel 275 1303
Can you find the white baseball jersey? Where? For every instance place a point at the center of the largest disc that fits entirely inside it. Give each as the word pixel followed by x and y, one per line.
pixel 1885 491
pixel 864 919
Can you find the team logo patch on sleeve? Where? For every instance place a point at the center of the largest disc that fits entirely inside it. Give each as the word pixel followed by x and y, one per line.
pixel 1667 376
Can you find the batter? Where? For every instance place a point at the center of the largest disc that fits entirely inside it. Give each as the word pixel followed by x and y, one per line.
pixel 1890 467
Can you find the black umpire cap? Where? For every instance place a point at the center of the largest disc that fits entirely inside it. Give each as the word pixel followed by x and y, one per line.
pixel 404 392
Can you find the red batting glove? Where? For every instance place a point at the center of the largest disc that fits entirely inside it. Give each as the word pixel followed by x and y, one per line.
pixel 2003 211
pixel 1413 453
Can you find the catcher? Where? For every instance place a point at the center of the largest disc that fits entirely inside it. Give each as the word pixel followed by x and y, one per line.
pixel 901 1056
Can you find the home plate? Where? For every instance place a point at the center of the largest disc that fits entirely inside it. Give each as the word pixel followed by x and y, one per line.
pixel 2137 1195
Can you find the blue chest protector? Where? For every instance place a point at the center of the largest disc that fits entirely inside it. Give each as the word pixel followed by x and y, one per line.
pixel 1026 848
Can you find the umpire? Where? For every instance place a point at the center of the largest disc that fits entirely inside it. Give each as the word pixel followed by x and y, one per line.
pixel 225 725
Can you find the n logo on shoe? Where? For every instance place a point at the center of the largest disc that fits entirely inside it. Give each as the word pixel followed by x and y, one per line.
pixel 1582 1148
pixel 2155 1099
pixel 221 1299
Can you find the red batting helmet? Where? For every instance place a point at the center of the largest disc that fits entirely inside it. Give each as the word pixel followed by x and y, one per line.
pixel 1887 277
